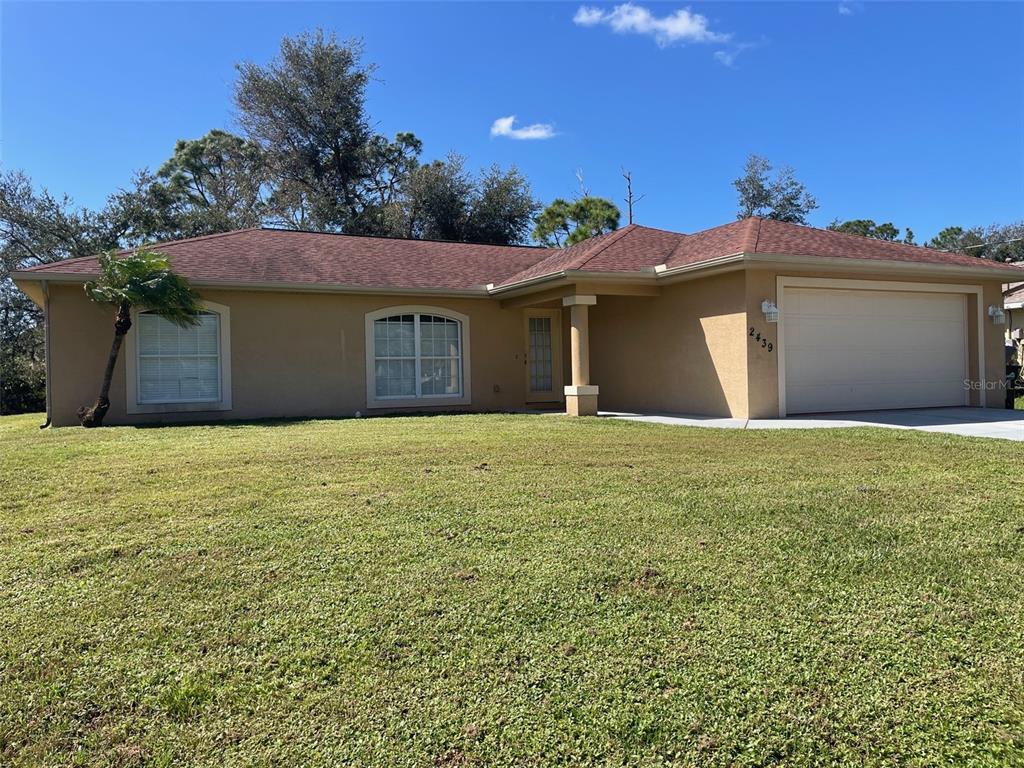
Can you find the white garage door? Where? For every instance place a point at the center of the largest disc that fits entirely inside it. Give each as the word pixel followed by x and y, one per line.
pixel 857 349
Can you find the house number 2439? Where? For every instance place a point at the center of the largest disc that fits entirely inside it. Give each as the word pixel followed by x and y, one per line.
pixel 757 338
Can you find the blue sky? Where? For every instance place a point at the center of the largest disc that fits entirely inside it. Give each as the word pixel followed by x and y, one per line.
pixel 910 112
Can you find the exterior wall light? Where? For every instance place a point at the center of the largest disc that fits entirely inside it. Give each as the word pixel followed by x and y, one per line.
pixel 771 312
pixel 997 315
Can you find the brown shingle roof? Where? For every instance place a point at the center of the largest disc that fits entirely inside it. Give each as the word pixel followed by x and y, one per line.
pixel 777 237
pixel 635 248
pixel 269 256
pixel 726 240
pixel 293 257
pixel 781 238
pixel 630 249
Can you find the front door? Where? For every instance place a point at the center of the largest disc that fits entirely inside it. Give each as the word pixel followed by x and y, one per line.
pixel 543 355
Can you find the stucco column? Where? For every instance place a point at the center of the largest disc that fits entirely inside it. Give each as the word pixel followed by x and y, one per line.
pixel 581 395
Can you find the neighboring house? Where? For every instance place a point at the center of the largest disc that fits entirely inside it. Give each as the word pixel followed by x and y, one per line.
pixel 756 318
pixel 1013 302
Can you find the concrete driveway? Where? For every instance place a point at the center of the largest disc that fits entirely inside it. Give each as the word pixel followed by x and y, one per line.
pixel 972 422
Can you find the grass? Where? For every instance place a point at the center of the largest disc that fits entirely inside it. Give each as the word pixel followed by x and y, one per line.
pixel 1018 404
pixel 508 590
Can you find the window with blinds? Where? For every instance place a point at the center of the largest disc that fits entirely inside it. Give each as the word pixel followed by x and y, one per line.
pixel 178 365
pixel 417 355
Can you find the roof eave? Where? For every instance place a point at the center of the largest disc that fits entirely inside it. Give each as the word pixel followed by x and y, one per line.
pixel 846 263
pixel 664 271
pixel 569 275
pixel 284 287
pixel 655 274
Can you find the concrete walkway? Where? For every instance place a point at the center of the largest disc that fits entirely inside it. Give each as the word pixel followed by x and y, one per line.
pixel 972 422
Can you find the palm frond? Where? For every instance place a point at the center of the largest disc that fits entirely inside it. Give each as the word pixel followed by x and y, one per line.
pixel 144 279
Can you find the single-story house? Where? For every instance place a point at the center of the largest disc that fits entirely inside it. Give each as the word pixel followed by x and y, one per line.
pixel 756 318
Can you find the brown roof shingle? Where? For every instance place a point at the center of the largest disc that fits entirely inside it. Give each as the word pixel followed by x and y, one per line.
pixel 294 257
pixel 726 240
pixel 777 237
pixel 271 256
pixel 630 249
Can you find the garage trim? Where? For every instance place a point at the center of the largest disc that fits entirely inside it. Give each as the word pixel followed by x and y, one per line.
pixel 871 285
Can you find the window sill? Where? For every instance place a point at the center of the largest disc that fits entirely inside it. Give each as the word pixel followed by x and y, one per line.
pixel 178 407
pixel 417 402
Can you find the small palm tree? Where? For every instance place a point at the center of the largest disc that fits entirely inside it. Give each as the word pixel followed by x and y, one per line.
pixel 141 279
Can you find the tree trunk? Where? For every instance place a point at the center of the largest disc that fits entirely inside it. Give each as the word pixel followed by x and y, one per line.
pixel 93 417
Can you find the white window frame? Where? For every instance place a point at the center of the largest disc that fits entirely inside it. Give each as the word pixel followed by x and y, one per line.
pixel 418 401
pixel 131 350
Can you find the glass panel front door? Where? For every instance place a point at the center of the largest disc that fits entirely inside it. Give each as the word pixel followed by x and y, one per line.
pixel 540 355
pixel 542 343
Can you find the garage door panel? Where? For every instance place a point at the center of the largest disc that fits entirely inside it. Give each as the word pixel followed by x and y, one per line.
pixel 860 349
pixel 859 396
pixel 886 364
pixel 837 366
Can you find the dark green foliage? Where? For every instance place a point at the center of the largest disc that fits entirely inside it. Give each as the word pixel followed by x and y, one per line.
pixel 212 184
pixel 437 200
pixel 443 201
pixel 1004 243
pixel 868 228
pixel 503 208
pixel 564 223
pixel 782 198
pixel 306 110
pixel 22 380
pixel 329 170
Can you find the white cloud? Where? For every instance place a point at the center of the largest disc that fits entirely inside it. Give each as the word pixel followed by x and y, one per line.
pixel 503 127
pixel 682 26
pixel 728 56
pixel 850 8
pixel 587 16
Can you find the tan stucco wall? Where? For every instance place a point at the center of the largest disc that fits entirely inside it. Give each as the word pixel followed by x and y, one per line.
pixel 763 366
pixel 686 350
pixel 682 351
pixel 292 354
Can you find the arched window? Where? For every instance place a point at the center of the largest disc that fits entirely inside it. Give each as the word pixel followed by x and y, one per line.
pixel 416 353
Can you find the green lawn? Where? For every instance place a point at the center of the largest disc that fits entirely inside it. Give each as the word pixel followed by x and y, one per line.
pixel 508 590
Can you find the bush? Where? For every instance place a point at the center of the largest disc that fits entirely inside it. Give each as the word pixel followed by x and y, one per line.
pixel 22 384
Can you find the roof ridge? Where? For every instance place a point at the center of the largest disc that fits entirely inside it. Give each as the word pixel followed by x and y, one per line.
pixel 684 236
pixel 757 237
pixel 733 223
pixel 212 235
pixel 861 238
pixel 42 267
pixel 288 230
pixel 657 229
pixel 613 237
